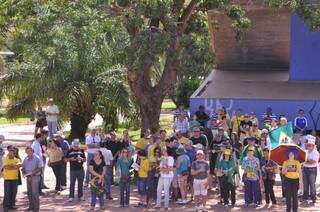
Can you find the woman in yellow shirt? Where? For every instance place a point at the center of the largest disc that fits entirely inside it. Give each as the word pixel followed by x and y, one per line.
pixel 291 169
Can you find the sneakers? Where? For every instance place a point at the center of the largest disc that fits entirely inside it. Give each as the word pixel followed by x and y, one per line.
pixel 70 199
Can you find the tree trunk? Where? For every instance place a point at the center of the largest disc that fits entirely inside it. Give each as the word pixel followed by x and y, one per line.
pixel 79 125
pixel 150 113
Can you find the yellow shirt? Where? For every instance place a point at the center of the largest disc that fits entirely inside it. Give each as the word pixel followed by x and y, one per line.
pixel 144 168
pixel 142 143
pixel 55 155
pixel 235 121
pixel 183 140
pixel 292 168
pixel 10 174
pixel 257 133
pixel 151 151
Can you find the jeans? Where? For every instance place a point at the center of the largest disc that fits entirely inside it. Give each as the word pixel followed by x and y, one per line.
pixel 283 187
pixel 108 180
pixel 152 182
pixel 309 182
pixel 33 192
pixel 252 191
pixel 164 184
pixel 90 156
pixel 227 190
pixel 10 192
pixel 124 192
pixel 52 128
pixel 63 173
pixel 94 195
pixel 79 176
pixel 268 187
pixel 142 186
pixel 42 173
pixel 57 170
pixel 292 186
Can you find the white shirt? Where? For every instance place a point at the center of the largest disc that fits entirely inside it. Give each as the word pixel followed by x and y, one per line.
pixel 314 155
pixel 37 149
pixel 92 140
pixel 52 109
pixel 167 161
pixel 107 154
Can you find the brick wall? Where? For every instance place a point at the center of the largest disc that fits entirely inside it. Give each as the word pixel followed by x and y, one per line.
pixel 265 46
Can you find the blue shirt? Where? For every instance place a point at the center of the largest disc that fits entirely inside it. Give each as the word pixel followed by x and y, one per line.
pixel 31 164
pixel 191 153
pixel 65 147
pixel 37 148
pixel 184 165
pixel 300 122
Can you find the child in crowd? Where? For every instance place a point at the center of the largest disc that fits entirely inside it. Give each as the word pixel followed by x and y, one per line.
pixel 200 172
pixel 142 177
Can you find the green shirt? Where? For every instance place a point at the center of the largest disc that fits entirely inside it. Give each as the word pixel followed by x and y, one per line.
pixel 124 166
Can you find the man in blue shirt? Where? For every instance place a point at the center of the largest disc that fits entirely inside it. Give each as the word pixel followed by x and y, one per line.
pixel 300 123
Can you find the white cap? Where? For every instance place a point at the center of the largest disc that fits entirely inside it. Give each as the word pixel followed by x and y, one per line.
pixel 264 131
pixel 2 138
pixel 76 141
pixel 311 139
pixel 200 152
pixel 198 146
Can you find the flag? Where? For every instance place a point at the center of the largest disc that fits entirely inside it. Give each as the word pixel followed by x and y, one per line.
pixel 281 135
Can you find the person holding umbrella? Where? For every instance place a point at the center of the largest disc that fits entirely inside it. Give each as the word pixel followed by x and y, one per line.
pixel 291 169
pixel 309 170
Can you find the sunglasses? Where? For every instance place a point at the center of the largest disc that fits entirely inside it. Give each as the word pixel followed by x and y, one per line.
pixel 196 131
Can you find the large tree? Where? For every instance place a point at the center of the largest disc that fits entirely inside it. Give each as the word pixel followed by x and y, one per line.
pixel 65 50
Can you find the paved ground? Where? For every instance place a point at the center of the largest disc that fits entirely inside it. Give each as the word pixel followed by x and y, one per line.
pixel 51 202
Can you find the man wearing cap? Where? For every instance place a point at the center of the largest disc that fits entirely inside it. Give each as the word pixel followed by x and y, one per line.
pixel 64 145
pixel 93 144
pixel 197 138
pixel 309 170
pixel 1 152
pixel 182 166
pixel 201 182
pixel 52 113
pixel 11 179
pixel 76 157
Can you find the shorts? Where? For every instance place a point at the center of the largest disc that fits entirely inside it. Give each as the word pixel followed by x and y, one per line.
pixel 182 180
pixel 199 187
pixel 41 123
pixel 142 186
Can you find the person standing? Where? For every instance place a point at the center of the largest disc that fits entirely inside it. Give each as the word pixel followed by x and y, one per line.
pixel 182 169
pixel 227 168
pixel 108 159
pixel 76 157
pixel 64 145
pixel 37 149
pixel 52 113
pixel 93 144
pixel 251 176
pixel 11 179
pixel 268 169
pixel 1 153
pixel 300 123
pixel 123 165
pixel 41 120
pixel 309 170
pixel 31 169
pixel 55 155
pixel 291 170
pixel 235 121
pixel 202 116
pixel 166 176
pixel 201 182
pixel 97 169
pixel 181 125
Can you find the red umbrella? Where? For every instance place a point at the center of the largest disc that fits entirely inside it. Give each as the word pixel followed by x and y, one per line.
pixel 280 153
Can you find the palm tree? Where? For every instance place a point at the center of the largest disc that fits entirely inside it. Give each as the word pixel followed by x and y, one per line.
pixel 67 52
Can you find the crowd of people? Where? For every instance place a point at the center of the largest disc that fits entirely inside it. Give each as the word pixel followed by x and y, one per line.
pixel 208 151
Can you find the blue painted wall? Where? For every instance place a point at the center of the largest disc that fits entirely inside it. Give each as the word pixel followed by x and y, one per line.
pixel 288 108
pixel 305 51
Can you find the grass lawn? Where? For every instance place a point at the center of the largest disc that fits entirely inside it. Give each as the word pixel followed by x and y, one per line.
pixel 19 120
pixel 167 104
